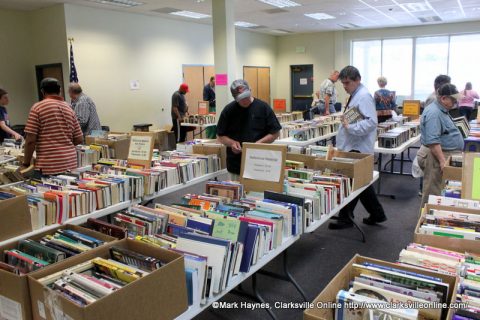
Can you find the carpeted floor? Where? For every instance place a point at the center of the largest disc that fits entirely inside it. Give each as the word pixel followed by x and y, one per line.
pixel 317 257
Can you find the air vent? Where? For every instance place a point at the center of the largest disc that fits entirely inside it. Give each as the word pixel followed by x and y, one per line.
pixel 430 19
pixel 348 25
pixel 165 10
pixel 273 11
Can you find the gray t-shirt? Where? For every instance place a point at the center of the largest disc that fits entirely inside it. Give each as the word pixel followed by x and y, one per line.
pixel 178 100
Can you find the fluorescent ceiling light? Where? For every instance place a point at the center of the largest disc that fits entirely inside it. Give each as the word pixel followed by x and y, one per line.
pixel 244 24
pixel 281 3
pixel 190 14
pixel 120 3
pixel 279 31
pixel 319 16
pixel 416 6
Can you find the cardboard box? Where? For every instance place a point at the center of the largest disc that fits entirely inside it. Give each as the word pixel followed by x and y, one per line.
pixel 160 295
pixel 343 278
pixel 448 243
pixel 218 149
pixel 14 288
pixel 120 147
pixel 361 171
pixel 161 139
pixel 451 173
pixel 15 218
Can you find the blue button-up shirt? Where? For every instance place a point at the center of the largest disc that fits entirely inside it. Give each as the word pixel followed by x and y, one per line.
pixel 437 127
pixel 361 135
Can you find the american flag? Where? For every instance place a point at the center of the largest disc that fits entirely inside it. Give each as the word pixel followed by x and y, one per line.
pixel 73 70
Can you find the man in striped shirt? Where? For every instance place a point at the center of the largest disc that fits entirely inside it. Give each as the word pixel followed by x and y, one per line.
pixel 52 131
pixel 84 108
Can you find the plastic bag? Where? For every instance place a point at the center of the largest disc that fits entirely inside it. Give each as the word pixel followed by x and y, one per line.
pixel 417 172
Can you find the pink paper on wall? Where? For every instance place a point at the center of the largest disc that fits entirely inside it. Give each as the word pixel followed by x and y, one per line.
pixel 221 79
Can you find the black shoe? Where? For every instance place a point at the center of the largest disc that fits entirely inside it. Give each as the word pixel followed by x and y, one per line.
pixel 340 224
pixel 372 221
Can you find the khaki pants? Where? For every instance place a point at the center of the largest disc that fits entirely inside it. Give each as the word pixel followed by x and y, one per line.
pixel 432 175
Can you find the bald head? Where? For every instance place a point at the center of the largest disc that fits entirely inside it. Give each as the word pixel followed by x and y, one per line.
pixel 334 75
pixel 74 90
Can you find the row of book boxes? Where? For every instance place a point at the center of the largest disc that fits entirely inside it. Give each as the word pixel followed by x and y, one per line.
pixel 360 169
pixel 220 150
pixel 342 280
pixel 162 294
pixel 15 217
pixel 120 146
pixel 14 290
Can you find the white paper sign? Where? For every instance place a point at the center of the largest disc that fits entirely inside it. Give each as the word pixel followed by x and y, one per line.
pixel 264 165
pixel 140 147
pixel 9 309
pixel 303 81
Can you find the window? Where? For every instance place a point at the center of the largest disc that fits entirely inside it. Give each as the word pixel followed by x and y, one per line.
pixel 431 59
pixel 454 55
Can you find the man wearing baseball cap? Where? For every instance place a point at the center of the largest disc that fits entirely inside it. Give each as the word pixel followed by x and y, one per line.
pixel 179 111
pixel 247 119
pixel 439 137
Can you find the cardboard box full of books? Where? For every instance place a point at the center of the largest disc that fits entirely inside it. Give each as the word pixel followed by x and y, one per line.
pixel 161 294
pixel 14 217
pixel 119 146
pixel 442 240
pixel 358 166
pixel 219 149
pixel 14 290
pixel 323 307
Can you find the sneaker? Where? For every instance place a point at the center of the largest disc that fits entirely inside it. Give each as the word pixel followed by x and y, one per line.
pixel 372 221
pixel 340 224
pixel 420 193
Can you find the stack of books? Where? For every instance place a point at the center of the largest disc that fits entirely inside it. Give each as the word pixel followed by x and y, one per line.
pixel 455 224
pixel 31 255
pixel 394 138
pixel 200 119
pixel 90 281
pixel 306 130
pixel 324 190
pixel 463 126
pixel 289 117
pixel 381 286
pixel 353 114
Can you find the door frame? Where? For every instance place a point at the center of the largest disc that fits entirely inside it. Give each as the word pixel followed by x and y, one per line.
pixel 39 76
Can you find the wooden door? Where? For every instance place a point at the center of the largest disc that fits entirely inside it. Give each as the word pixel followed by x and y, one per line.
pixel 263 84
pixel 54 70
pixel 250 74
pixel 193 76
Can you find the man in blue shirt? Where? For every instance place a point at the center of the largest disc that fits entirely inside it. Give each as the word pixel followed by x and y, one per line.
pixel 358 137
pixel 440 138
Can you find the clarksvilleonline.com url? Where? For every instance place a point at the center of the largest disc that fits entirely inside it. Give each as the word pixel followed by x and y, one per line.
pixel 392 305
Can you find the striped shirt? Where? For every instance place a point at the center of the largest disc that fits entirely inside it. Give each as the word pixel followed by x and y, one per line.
pixel 55 125
pixel 86 112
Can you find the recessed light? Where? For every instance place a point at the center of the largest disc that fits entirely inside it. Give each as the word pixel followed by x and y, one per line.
pixel 245 24
pixel 281 3
pixel 190 14
pixel 416 6
pixel 119 3
pixel 279 31
pixel 319 16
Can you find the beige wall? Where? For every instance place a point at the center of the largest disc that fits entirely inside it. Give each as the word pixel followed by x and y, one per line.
pixel 319 51
pixel 17 72
pixel 112 48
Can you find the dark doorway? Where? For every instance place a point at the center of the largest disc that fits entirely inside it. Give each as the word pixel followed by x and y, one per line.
pixel 53 70
pixel 302 86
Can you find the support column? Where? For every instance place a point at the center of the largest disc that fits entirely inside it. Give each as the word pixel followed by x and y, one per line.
pixel 224 50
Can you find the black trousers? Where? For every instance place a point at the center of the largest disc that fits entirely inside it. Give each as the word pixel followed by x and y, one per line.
pixel 179 131
pixel 369 200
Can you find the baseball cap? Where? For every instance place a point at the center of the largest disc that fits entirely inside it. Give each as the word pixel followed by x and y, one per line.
pixel 240 90
pixel 449 89
pixel 184 87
